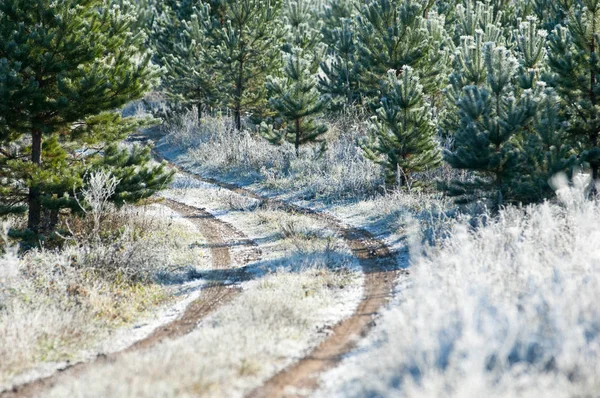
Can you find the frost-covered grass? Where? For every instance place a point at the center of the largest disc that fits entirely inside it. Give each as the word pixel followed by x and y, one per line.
pixel 56 304
pixel 507 309
pixel 339 180
pixel 219 150
pixel 263 330
pixel 305 282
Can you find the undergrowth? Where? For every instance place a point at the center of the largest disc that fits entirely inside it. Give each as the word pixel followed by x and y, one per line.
pixel 341 172
pixel 504 309
pixel 113 267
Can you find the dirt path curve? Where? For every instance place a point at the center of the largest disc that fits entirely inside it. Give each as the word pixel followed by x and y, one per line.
pixel 219 236
pixel 381 273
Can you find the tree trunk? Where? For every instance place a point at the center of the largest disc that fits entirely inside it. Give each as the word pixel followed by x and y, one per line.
pixel 297 143
pixel 498 171
pixel 199 105
pixel 237 114
pixel 239 92
pixel 53 220
pixel 34 199
pixel 594 165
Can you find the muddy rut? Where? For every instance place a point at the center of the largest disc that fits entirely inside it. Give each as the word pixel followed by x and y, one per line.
pixel 381 273
pixel 219 236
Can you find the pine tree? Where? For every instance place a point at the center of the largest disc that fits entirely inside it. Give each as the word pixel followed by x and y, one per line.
pixel 551 12
pixel 301 27
pixel 393 34
pixel 341 70
pixel 475 26
pixel 478 19
pixel 64 66
pixel 492 114
pixel 574 60
pixel 403 132
pixel 138 178
pixel 297 102
pixel 340 77
pixel 180 33
pixel 190 79
pixel 546 149
pixel 246 49
pixel 163 20
pixel 530 144
pixel 475 23
pixel 334 14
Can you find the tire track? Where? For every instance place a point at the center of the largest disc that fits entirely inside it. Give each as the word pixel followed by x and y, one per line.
pixel 219 235
pixel 381 272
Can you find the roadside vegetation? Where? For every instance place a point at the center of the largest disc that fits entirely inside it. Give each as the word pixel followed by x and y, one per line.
pixel 506 309
pixel 116 268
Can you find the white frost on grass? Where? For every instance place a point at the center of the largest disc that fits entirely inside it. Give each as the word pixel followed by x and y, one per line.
pixel 182 294
pixel 45 334
pixel 265 329
pixel 289 242
pixel 266 226
pixel 391 217
pixel 305 282
pixel 211 146
pixel 286 310
pixel 341 181
pixel 508 309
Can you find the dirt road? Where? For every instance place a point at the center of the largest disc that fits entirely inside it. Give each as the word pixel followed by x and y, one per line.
pixel 218 235
pixel 381 273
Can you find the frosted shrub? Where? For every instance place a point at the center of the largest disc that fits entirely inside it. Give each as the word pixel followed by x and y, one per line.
pixel 100 187
pixel 55 302
pixel 183 129
pixel 127 258
pixel 9 263
pixel 115 247
pixel 36 313
pixel 509 309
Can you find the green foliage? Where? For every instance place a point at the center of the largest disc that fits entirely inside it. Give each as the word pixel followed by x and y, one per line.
pixel 393 34
pixel 478 19
pixel 341 71
pixel 492 114
pixel 333 15
pixel 301 28
pixel 138 178
pixel 190 79
pixel 506 126
pixel 180 35
pixel 403 132
pixel 64 67
pixel 519 104
pixel 573 59
pixel 164 23
pixel 547 151
pixel 551 12
pixel 244 50
pixel 297 103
